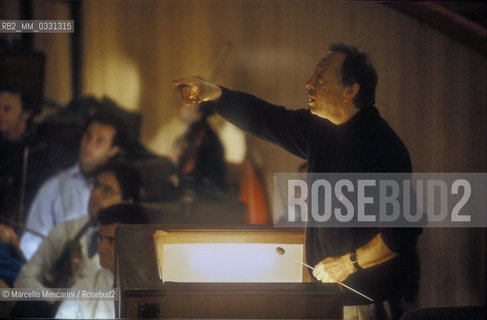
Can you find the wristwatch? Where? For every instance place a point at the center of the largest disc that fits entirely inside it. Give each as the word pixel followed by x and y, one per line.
pixel 354 260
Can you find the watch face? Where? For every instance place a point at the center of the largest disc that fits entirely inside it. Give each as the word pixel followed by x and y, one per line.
pixel 353 257
pixel 354 260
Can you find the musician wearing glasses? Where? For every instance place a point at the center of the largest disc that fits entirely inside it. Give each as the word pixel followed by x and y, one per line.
pixel 108 221
pixel 114 184
pixel 65 195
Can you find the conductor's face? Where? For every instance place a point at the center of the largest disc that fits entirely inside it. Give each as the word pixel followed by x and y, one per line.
pixel 325 91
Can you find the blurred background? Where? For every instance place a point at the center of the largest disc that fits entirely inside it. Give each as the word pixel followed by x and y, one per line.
pixel 430 57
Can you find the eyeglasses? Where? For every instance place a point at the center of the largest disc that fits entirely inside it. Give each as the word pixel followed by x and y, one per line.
pixel 105 188
pixel 110 240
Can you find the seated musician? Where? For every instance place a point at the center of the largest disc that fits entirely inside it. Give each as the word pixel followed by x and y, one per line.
pixel 200 156
pixel 108 221
pixel 20 153
pixel 65 195
pixel 114 183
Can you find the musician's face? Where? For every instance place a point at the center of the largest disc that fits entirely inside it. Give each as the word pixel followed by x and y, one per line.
pixel 325 91
pixel 13 118
pixel 106 192
pixel 106 246
pixel 97 146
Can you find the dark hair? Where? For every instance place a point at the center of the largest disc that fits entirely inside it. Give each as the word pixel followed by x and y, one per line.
pixel 109 119
pixel 26 98
pixel 127 176
pixel 357 68
pixel 124 213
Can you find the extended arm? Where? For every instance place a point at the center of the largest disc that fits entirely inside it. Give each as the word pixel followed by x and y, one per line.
pixel 194 90
pixel 290 129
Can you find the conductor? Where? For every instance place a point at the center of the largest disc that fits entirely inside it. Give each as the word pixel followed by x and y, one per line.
pixel 341 131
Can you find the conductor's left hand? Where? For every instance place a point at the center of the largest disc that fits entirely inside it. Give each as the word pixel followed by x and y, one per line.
pixel 334 269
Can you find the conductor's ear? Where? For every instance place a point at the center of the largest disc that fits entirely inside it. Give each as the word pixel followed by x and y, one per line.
pixel 351 92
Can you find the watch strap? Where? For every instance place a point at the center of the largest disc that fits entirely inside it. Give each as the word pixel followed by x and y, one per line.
pixel 354 260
